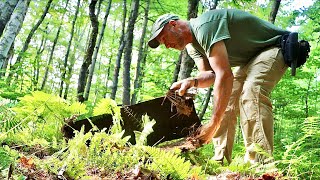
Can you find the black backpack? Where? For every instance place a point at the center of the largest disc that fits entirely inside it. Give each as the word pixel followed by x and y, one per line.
pixel 295 52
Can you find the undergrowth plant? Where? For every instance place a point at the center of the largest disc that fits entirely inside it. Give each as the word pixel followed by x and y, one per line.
pixel 42 115
pixel 109 106
pixel 301 160
pixel 171 164
pixel 111 152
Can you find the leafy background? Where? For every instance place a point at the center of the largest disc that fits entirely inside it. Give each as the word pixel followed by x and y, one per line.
pixel 31 120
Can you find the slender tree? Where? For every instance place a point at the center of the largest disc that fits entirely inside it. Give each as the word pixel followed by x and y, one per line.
pixel 187 63
pixel 274 10
pixel 12 29
pixel 44 80
pixel 122 43
pixel 107 75
pixel 36 65
pixel 206 102
pixel 128 52
pixel 65 63
pixel 89 52
pixel 141 54
pixel 96 50
pixel 177 69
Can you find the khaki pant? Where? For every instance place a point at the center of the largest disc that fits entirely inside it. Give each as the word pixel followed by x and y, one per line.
pixel 250 98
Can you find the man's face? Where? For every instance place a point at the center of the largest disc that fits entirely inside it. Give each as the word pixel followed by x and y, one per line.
pixel 172 37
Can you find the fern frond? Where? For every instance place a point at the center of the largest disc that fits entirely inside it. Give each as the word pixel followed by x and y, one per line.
pixel 107 106
pixel 172 164
pixel 141 137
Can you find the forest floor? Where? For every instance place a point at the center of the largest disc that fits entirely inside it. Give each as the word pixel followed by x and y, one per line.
pixel 30 170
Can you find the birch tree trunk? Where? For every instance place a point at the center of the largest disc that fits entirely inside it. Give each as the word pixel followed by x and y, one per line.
pixel 95 53
pixel 7 8
pixel 28 40
pixel 45 77
pixel 274 10
pixel 128 52
pixel 6 62
pixel 89 52
pixel 141 55
pixel 186 62
pixel 65 63
pixel 122 43
pixel 12 29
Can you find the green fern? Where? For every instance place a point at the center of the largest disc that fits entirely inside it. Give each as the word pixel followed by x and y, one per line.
pixel 141 137
pixel 109 106
pixel 171 164
pixel 302 157
pixel 43 114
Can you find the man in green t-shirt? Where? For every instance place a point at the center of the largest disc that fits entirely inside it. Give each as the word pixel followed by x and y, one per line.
pixel 218 40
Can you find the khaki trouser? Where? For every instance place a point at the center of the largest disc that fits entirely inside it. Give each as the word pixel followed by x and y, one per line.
pixel 250 98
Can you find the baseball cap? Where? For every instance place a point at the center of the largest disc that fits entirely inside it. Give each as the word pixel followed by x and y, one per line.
pixel 157 28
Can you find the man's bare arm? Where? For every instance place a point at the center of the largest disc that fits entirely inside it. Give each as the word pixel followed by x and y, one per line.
pixel 223 83
pixel 219 62
pixel 205 76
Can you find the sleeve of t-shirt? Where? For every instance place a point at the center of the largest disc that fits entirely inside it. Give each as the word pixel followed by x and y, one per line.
pixel 212 32
pixel 194 53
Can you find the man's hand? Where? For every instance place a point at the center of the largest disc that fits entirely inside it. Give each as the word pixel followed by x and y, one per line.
pixel 183 85
pixel 206 132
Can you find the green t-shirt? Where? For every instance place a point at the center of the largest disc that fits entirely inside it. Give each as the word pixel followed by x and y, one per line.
pixel 244 34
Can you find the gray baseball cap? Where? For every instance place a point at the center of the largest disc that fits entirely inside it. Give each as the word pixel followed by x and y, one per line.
pixel 157 28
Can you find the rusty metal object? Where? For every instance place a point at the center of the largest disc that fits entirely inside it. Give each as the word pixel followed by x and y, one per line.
pixel 170 122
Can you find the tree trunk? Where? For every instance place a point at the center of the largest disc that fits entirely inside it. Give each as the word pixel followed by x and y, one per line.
pixel 65 63
pixel 177 69
pixel 6 61
pixel 45 77
pixel 89 52
pixel 95 53
pixel 274 10
pixel 211 4
pixel 46 72
pixel 28 40
pixel 141 55
pixel 119 55
pixel 215 4
pixel 186 62
pixel 186 65
pixel 79 33
pixel 206 102
pixel 107 75
pixel 36 65
pixel 7 8
pixel 12 29
pixel 128 52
